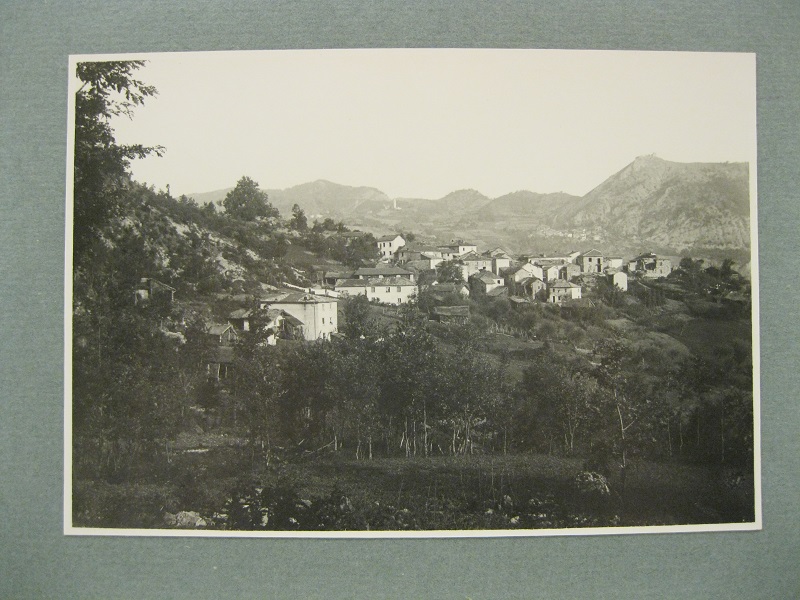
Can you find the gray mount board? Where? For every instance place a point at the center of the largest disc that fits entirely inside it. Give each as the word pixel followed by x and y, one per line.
pixel 38 561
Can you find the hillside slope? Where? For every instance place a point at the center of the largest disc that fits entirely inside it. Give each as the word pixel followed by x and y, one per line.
pixel 654 202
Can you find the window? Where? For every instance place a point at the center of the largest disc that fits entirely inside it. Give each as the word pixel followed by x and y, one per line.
pixel 388 290
pixel 399 300
pixel 399 289
pixel 373 290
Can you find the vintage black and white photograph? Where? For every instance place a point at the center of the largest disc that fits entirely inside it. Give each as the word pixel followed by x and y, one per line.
pixel 411 293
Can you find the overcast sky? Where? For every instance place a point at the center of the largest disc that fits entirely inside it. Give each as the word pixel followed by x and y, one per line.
pixel 423 123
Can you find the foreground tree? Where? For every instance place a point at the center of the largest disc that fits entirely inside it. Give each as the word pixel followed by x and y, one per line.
pixel 108 90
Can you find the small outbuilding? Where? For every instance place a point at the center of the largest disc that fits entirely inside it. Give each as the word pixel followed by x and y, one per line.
pixel 450 314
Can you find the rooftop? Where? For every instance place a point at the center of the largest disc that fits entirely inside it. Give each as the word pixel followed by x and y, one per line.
pixel 486 276
pixel 217 328
pixel 381 270
pixel 472 256
pixel 389 238
pixel 297 298
pixel 560 283
pixel 374 282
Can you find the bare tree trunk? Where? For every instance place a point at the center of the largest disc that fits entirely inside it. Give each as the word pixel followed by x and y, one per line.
pixel 698 431
pixel 425 427
pixel 722 430
pixel 669 438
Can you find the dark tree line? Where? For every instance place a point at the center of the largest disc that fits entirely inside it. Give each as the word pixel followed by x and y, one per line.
pixel 403 392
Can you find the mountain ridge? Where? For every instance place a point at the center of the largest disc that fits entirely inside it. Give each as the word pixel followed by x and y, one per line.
pixel 651 202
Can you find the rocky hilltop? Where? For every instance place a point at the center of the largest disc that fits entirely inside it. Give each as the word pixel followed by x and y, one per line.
pixel 668 204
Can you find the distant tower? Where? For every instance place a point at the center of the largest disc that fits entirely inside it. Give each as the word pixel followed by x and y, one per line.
pixel 394 204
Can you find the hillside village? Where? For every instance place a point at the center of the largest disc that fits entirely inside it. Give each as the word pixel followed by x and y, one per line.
pixel 407 270
pixel 436 280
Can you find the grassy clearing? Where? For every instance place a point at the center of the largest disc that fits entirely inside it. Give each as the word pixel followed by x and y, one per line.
pixel 335 492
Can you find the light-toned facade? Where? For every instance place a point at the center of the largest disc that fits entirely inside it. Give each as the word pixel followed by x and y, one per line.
pixel 614 262
pixel 517 274
pixel 500 259
pixel 559 291
pixel 474 263
pixel 386 290
pixel 317 313
pixel 388 245
pixel 456 248
pixel 620 280
pixel 592 261
pixel 549 272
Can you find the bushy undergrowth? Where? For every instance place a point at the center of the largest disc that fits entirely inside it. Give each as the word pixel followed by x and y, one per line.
pixel 332 493
pixel 284 509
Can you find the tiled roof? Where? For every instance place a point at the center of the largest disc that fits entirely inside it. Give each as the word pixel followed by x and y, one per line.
pixel 292 320
pixel 374 282
pixel 561 283
pixel 217 329
pixel 241 313
pixel 498 291
pixel 389 238
pixel 472 256
pixel 419 265
pixel 387 270
pixel 547 263
pixel 529 280
pixel 299 298
pixel 414 247
pixel 486 277
pixel 593 252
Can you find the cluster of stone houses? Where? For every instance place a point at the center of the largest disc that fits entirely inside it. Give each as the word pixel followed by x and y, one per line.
pixel 552 279
pixel 385 283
